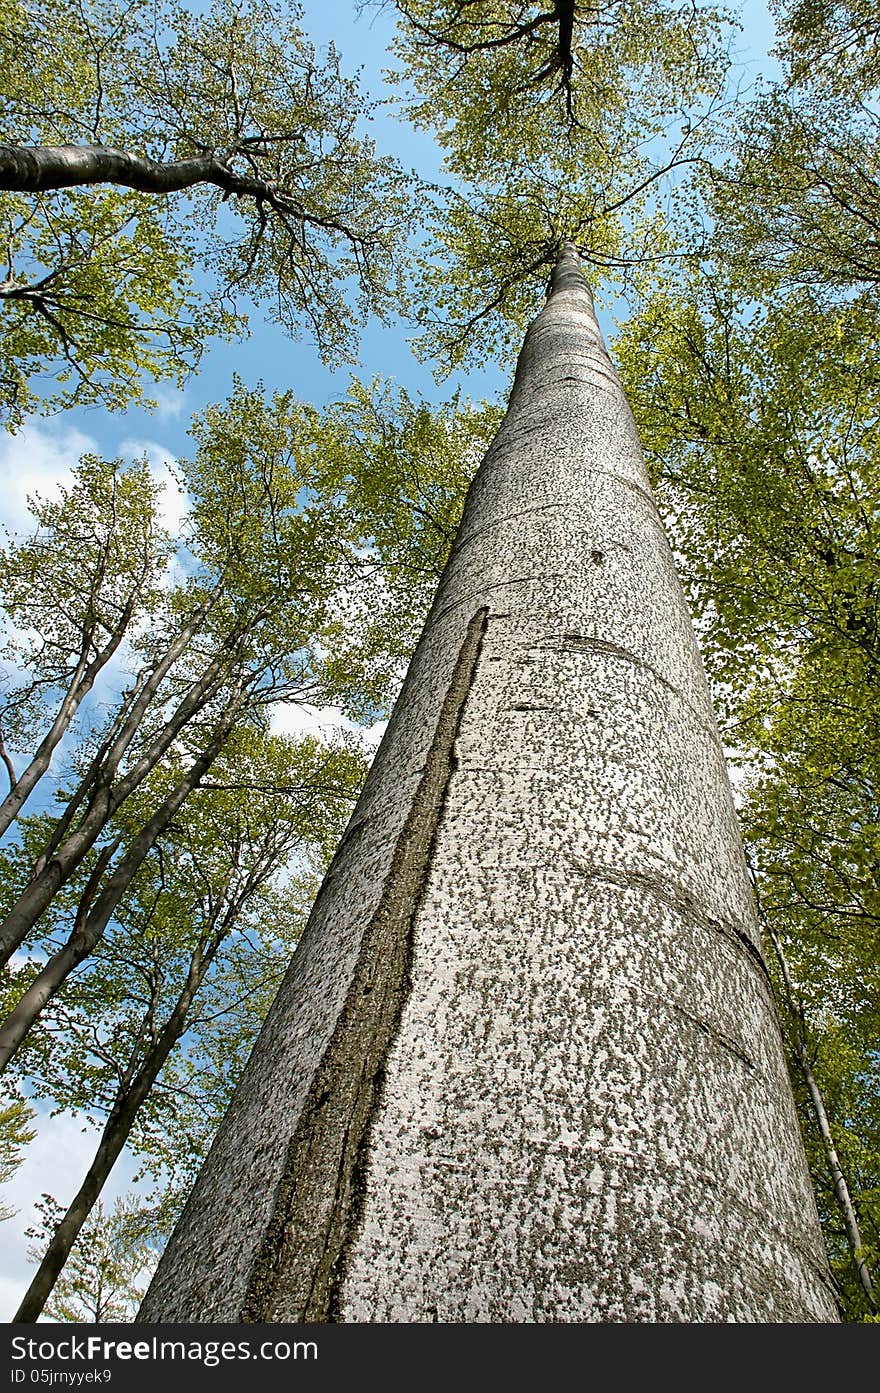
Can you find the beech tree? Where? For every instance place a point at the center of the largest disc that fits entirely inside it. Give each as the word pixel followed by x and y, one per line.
pixel 89 576
pixel 314 1268
pixel 528 1034
pixel 166 170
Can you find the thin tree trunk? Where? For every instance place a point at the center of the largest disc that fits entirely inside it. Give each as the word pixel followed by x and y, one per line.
pixel 7 761
pixel 105 797
pixel 83 678
pixel 526 1064
pixel 835 1169
pixel 81 683
pixel 21 788
pixel 114 1136
pixel 87 934
pixel 88 782
pixel 565 11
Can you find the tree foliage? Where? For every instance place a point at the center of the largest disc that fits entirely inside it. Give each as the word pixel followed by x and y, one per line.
pixel 88 576
pixel 15 1134
pixel 400 470
pixel 557 121
pixel 165 170
pixel 110 1266
pixel 834 41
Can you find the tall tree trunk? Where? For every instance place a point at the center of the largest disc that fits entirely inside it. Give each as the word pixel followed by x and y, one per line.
pixel 526 1065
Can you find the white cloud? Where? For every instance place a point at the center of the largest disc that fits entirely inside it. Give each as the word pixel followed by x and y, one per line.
pixel 736 774
pixel 41 457
pixel 55 1164
pixel 374 735
pixel 37 460
pixel 298 718
pixel 170 402
pixel 174 505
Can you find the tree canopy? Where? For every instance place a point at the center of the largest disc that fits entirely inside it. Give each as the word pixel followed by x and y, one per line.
pixel 556 121
pixel 175 173
pixel 165 170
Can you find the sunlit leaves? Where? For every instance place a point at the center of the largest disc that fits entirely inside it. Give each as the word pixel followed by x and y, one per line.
pixel 98 295
pixel 15 1134
pixel 106 1275
pixel 95 549
pixel 104 287
pixel 549 134
pixel 835 43
pixel 800 204
pixel 768 469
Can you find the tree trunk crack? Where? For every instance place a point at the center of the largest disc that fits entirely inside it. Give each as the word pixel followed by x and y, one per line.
pixel 719 1036
pixel 299 1267
pixel 669 893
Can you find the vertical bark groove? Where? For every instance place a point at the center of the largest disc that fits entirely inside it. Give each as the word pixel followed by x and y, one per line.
pixel 296 1273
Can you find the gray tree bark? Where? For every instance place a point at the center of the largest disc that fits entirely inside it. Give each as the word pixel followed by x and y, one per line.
pixel 42 168
pixel 526 1064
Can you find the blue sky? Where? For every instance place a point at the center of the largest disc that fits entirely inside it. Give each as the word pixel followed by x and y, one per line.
pixel 361 34
pixel 42 455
